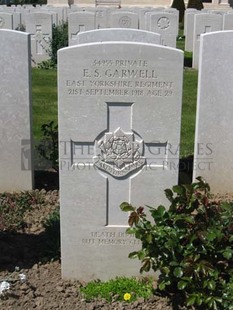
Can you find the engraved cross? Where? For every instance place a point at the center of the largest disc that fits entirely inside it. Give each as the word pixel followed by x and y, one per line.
pixel 74 36
pixel 118 154
pixel 39 37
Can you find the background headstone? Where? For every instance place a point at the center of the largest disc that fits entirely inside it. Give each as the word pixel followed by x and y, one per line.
pixel 119 131
pixel 78 22
pixel 101 18
pixel 39 25
pixel 123 19
pixel 16 171
pixel 119 34
pixel 204 23
pixel 6 20
pixel 189 30
pixel 228 21
pixel 213 140
pixel 166 24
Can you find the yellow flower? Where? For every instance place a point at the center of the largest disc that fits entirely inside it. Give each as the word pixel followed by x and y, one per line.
pixel 127 296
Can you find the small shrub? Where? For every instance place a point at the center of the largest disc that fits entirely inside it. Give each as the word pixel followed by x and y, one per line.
pixel 118 289
pixel 52 235
pixel 21 27
pixel 46 65
pixel 190 243
pixel 48 148
pixel 59 40
pixel 13 207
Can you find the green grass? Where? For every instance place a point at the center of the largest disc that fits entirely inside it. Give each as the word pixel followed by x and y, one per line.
pixel 188 112
pixel 44 95
pixel 115 289
pixel 44 98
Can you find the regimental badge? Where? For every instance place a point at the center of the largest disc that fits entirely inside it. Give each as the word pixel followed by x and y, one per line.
pixel 118 153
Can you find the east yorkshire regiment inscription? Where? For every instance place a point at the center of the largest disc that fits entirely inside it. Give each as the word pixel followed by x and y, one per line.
pixel 120 78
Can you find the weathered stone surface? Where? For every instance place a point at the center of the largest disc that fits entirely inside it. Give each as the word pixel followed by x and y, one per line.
pixel 78 22
pixel 204 23
pixel 213 141
pixel 39 25
pixel 119 123
pixel 119 34
pixel 15 117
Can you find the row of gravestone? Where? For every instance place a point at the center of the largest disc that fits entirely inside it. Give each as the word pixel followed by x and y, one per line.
pixel 119 106
pixel 39 25
pixel 159 20
pixel 102 15
pixel 197 23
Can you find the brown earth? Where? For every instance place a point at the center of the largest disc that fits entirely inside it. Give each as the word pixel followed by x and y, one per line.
pixel 31 249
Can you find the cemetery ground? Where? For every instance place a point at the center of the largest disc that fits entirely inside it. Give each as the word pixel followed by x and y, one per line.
pixel 29 237
pixel 29 222
pixel 29 240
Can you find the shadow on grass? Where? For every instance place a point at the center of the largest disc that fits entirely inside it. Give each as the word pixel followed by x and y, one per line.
pixel 186 170
pixel 48 180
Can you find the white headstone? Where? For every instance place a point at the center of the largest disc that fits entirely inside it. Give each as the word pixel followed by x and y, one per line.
pixel 39 25
pixel 142 18
pixel 17 23
pixel 53 13
pixel 24 12
pixel 187 11
pixel 189 30
pixel 15 117
pixel 78 22
pixel 101 18
pixel 6 20
pixel 16 17
pixel 204 23
pixel 123 19
pixel 228 21
pixel 165 24
pixel 119 34
pixel 119 126
pixel 214 141
pixel 61 12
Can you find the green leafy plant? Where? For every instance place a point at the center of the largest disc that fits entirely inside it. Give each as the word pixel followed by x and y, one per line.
pixel 20 27
pixel 48 147
pixel 118 289
pixel 13 207
pixel 46 65
pixel 190 244
pixel 52 235
pixel 59 40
